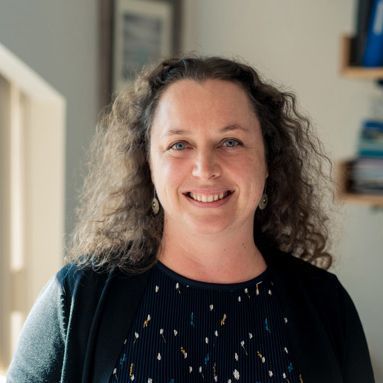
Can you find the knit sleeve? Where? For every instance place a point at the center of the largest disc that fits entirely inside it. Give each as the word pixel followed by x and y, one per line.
pixel 40 349
pixel 356 363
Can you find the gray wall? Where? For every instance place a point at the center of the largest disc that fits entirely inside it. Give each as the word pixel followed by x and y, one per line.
pixel 58 40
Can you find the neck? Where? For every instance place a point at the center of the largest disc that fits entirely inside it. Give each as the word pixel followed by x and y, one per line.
pixel 216 258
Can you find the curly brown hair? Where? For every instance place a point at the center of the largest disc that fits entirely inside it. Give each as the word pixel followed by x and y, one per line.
pixel 116 226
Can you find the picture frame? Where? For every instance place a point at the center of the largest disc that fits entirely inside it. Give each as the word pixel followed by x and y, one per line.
pixel 133 34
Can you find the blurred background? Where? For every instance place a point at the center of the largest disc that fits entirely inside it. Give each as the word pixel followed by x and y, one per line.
pixel 58 65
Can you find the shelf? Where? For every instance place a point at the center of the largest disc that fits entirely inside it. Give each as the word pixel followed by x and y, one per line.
pixel 350 71
pixel 343 185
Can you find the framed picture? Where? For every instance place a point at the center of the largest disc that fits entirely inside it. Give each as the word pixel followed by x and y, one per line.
pixel 135 33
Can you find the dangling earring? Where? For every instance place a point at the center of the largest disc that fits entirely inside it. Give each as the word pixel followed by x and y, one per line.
pixel 155 204
pixel 263 203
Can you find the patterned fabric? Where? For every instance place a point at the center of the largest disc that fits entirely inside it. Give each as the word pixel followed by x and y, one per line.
pixel 191 331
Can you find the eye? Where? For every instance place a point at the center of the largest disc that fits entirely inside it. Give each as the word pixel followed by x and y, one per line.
pixel 231 143
pixel 178 146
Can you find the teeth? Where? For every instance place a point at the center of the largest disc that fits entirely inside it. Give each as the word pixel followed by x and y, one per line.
pixel 210 198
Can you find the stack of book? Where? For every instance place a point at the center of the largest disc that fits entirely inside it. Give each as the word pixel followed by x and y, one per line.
pixel 367 170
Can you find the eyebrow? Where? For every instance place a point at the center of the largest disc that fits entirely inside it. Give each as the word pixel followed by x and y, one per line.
pixel 228 128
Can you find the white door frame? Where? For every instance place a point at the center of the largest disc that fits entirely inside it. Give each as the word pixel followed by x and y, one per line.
pixel 32 173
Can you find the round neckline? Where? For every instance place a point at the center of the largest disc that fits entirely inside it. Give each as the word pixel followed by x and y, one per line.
pixel 210 285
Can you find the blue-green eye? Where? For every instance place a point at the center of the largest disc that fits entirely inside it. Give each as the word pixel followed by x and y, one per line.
pixel 231 143
pixel 178 146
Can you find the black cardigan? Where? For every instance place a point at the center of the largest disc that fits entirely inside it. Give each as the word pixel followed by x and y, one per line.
pixel 74 332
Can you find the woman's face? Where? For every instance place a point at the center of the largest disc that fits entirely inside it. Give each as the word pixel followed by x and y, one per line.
pixel 207 156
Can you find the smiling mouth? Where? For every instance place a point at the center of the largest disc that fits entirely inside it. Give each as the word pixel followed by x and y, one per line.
pixel 208 198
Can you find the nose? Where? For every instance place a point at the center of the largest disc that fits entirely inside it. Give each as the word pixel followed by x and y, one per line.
pixel 206 166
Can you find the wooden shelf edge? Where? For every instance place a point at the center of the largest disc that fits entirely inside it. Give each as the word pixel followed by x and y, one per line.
pixel 362 199
pixel 349 71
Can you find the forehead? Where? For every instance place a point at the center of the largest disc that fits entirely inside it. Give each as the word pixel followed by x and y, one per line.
pixel 214 99
pixel 208 87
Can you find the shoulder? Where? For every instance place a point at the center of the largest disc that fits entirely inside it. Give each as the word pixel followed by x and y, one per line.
pixel 317 289
pixel 86 283
pixel 71 277
pixel 319 297
pixel 294 266
pixel 320 286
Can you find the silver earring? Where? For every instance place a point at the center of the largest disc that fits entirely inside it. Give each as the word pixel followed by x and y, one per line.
pixel 264 200
pixel 155 204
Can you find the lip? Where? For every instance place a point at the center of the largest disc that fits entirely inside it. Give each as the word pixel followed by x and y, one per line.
pixel 212 204
pixel 208 192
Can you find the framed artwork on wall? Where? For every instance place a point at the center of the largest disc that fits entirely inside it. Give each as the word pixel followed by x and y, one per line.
pixel 133 34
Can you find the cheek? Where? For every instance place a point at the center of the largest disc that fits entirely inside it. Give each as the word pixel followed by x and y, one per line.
pixel 170 174
pixel 259 163
pixel 250 174
pixel 252 166
pixel 173 171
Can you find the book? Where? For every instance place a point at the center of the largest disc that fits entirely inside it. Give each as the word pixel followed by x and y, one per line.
pixel 370 141
pixel 373 50
pixel 366 176
pixel 362 17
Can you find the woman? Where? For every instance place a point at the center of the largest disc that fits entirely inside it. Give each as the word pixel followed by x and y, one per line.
pixel 191 262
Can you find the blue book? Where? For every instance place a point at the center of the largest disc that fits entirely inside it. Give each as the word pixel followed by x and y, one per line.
pixel 370 141
pixel 362 17
pixel 372 130
pixel 373 53
pixel 368 153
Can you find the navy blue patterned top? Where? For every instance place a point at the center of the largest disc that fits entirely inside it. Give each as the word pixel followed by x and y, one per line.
pixel 191 331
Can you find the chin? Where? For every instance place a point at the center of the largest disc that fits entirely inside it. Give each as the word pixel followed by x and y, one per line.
pixel 207 226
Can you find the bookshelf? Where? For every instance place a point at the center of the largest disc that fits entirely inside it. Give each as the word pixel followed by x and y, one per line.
pixel 343 167
pixel 355 72
pixel 343 192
